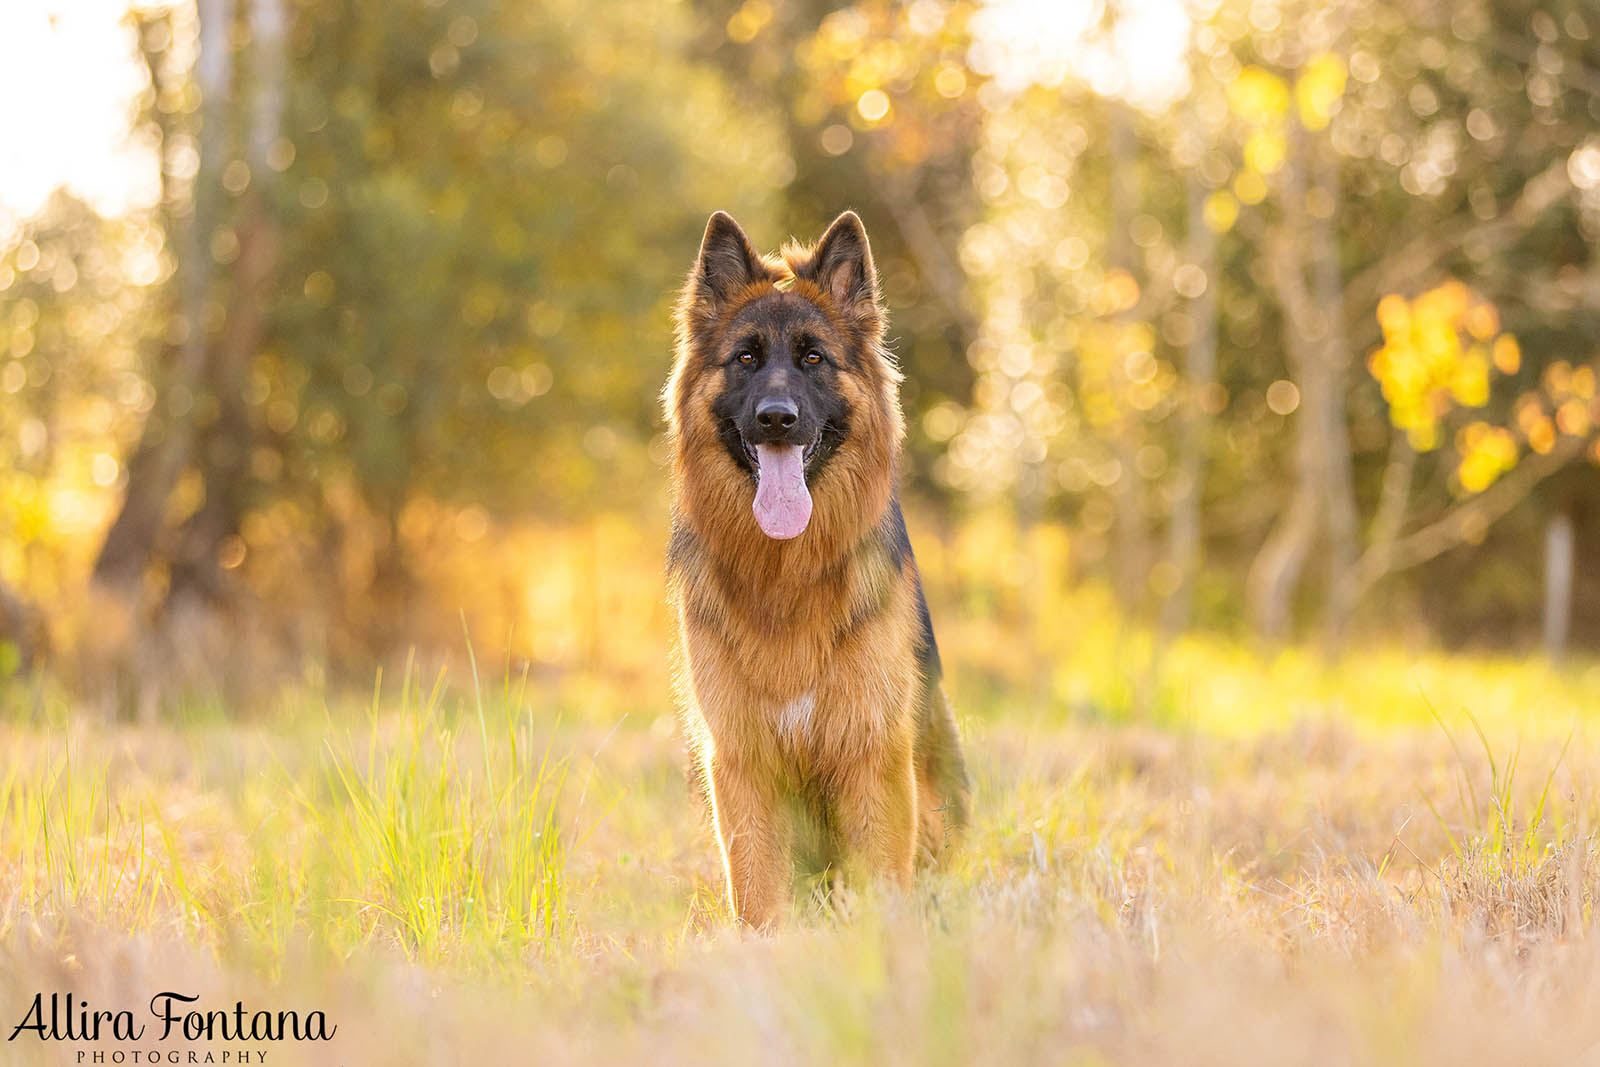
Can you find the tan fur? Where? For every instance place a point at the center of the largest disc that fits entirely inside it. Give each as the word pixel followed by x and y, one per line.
pixel 801 675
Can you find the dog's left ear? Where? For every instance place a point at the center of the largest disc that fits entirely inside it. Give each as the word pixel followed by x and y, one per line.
pixel 726 264
pixel 842 266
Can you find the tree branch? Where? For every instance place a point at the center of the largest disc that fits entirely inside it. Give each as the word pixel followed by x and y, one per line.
pixel 1456 525
pixel 1417 257
pixel 922 241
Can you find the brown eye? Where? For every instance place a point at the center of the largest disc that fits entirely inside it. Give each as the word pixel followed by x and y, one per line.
pixel 813 358
pixel 746 358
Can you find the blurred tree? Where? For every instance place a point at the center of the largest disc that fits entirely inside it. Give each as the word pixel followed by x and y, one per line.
pixel 422 246
pixel 1472 210
pixel 191 211
pixel 1302 258
pixel 209 542
pixel 1078 264
pixel 410 268
pixel 1311 127
pixel 72 319
pixel 1197 280
pixel 881 114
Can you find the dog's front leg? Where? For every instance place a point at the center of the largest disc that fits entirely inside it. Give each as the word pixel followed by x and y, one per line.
pixel 876 810
pixel 750 834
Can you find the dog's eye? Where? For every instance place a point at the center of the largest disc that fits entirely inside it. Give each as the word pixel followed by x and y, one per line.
pixel 746 358
pixel 813 357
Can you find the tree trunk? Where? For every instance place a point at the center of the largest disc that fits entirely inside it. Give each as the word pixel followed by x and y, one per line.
pixel 1464 520
pixel 224 459
pixel 1339 496
pixel 166 443
pixel 1201 373
pixel 1275 573
pixel 1324 498
pixel 22 632
pixel 1130 556
pixel 1559 568
pixel 1394 498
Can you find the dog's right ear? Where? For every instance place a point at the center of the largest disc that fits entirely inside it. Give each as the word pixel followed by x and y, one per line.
pixel 727 262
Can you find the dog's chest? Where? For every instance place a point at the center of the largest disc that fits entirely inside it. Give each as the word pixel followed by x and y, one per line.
pixel 794 719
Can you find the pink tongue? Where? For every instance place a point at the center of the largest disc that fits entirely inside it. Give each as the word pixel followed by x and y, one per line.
pixel 783 504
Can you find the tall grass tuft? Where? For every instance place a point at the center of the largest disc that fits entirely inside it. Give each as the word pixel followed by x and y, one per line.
pixel 79 850
pixel 1513 872
pixel 441 848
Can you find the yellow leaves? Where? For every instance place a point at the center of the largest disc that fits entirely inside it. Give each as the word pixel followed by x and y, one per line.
pixel 1558 377
pixel 1138 335
pixel 749 20
pixel 1264 151
pixel 1445 303
pixel 1319 89
pixel 1507 354
pixel 1394 315
pixel 1118 373
pixel 1572 417
pixel 1571 391
pixel 1434 357
pixel 1542 435
pixel 1260 100
pixel 868 61
pixel 1438 353
pixel 1423 437
pixel 1483 322
pixel 1470 384
pixel 27 505
pixel 1486 453
pixel 1250 187
pixel 1529 411
pixel 1258 96
pixel 1221 211
pixel 1119 292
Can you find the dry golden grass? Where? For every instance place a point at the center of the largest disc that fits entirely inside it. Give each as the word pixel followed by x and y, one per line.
pixel 1181 854
pixel 1311 890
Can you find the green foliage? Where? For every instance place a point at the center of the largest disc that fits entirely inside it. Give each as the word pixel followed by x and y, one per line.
pixel 477 214
pixel 486 220
pixel 75 316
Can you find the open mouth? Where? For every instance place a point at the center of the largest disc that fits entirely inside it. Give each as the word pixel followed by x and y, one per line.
pixel 805 454
pixel 782 503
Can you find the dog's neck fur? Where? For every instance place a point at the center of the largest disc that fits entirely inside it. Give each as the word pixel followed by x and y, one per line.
pixel 852 496
pixel 756 583
pixel 849 510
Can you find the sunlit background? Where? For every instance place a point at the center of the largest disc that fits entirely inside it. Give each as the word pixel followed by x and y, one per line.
pixel 330 328
pixel 1251 467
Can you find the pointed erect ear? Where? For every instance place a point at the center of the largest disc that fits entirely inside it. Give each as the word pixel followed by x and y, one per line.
pixel 727 263
pixel 842 265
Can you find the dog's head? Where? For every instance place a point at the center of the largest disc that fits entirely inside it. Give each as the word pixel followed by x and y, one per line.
pixel 783 398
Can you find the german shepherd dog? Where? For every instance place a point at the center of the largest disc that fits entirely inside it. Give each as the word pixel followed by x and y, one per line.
pixel 810 694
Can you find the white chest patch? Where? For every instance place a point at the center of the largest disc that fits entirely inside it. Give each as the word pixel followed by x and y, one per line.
pixel 794 718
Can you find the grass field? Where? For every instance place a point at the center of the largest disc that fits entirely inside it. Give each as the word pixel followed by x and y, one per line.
pixel 1185 854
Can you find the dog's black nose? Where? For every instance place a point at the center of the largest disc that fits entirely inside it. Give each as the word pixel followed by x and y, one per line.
pixel 777 413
